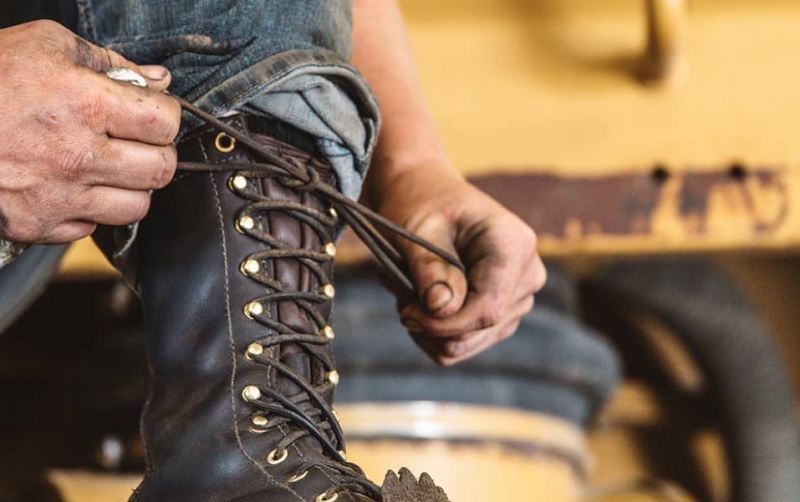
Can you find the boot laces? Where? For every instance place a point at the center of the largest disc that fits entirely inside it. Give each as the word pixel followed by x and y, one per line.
pixel 306 409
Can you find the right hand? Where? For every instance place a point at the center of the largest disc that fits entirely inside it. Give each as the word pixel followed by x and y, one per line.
pixel 77 149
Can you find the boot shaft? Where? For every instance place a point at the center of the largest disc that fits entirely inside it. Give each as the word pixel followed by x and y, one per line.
pixel 235 272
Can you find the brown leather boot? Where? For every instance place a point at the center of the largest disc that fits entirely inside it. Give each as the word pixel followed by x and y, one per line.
pixel 234 266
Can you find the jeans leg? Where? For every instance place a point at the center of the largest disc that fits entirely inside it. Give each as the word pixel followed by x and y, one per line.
pixel 287 60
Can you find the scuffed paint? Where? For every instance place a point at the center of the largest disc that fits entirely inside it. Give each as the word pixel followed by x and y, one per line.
pixel 691 203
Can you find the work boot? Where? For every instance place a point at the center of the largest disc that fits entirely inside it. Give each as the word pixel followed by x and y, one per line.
pixel 234 266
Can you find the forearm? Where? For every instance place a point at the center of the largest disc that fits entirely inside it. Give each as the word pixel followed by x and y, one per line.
pixel 408 139
pixel 452 316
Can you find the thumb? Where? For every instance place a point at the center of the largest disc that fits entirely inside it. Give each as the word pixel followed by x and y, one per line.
pixel 158 77
pixel 100 59
pixel 440 286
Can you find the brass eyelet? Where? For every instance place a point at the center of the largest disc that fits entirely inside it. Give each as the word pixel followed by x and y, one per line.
pixel 274 459
pixel 332 377
pixel 328 333
pixel 224 143
pixel 253 309
pixel 330 249
pixel 237 183
pixel 253 350
pixel 297 477
pixel 328 291
pixel 258 424
pixel 332 211
pixel 250 267
pixel 251 393
pixel 323 497
pixel 245 223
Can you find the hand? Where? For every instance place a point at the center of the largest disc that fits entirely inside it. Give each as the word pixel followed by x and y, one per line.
pixel 78 149
pixel 453 317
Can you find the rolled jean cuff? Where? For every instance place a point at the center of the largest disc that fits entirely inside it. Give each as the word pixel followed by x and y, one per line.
pixel 312 90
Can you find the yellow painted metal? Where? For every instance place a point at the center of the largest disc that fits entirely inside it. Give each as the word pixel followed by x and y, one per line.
pixel 516 85
pixel 462 447
pixel 555 86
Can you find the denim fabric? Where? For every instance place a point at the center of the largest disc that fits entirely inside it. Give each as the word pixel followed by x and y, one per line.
pixel 288 60
pixel 553 364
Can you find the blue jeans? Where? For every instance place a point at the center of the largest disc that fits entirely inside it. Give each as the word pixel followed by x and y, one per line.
pixel 285 60
pixel 553 364
pixel 291 63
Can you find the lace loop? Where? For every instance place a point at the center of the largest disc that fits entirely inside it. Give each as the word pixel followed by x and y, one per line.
pixel 306 332
pixel 303 186
pixel 361 218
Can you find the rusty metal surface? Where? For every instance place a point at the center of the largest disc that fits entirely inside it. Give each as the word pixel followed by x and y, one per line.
pixel 641 204
pixel 654 210
pixel 733 207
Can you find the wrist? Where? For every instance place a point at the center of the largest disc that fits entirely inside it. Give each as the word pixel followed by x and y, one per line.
pixel 387 173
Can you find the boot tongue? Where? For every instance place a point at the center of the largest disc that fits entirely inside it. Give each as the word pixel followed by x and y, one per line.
pixel 311 370
pixel 295 358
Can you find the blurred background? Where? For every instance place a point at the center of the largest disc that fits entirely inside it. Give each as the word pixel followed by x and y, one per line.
pixel 652 145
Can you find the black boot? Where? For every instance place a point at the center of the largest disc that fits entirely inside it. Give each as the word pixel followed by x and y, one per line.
pixel 234 267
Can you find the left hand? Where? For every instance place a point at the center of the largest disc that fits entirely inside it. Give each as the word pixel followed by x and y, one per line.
pixel 453 317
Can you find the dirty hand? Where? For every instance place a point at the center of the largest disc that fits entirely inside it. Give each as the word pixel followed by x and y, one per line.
pixel 78 149
pixel 453 317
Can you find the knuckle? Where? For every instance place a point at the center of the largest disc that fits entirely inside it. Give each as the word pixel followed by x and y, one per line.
pixel 139 207
pixel 491 315
pixel 165 169
pixel 113 58
pixel 22 230
pixel 445 361
pixel 84 231
pixel 93 110
pixel 452 349
pixel 166 121
pixel 46 26
pixel 540 277
pixel 74 164
pixel 527 240
pixel 73 231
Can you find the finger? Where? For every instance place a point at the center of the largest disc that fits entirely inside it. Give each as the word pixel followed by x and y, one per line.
pixel 125 111
pixel 441 287
pixel 113 206
pixel 100 59
pixel 447 353
pixel 158 77
pixel 456 353
pixel 497 285
pixel 142 115
pixel 69 231
pixel 457 350
pixel 427 346
pixel 95 58
pixel 132 165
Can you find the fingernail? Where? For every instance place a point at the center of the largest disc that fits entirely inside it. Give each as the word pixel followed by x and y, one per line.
pixel 438 296
pixel 154 72
pixel 412 325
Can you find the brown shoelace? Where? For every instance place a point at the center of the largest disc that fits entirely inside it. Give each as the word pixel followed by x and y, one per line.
pixel 307 409
pixel 361 219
